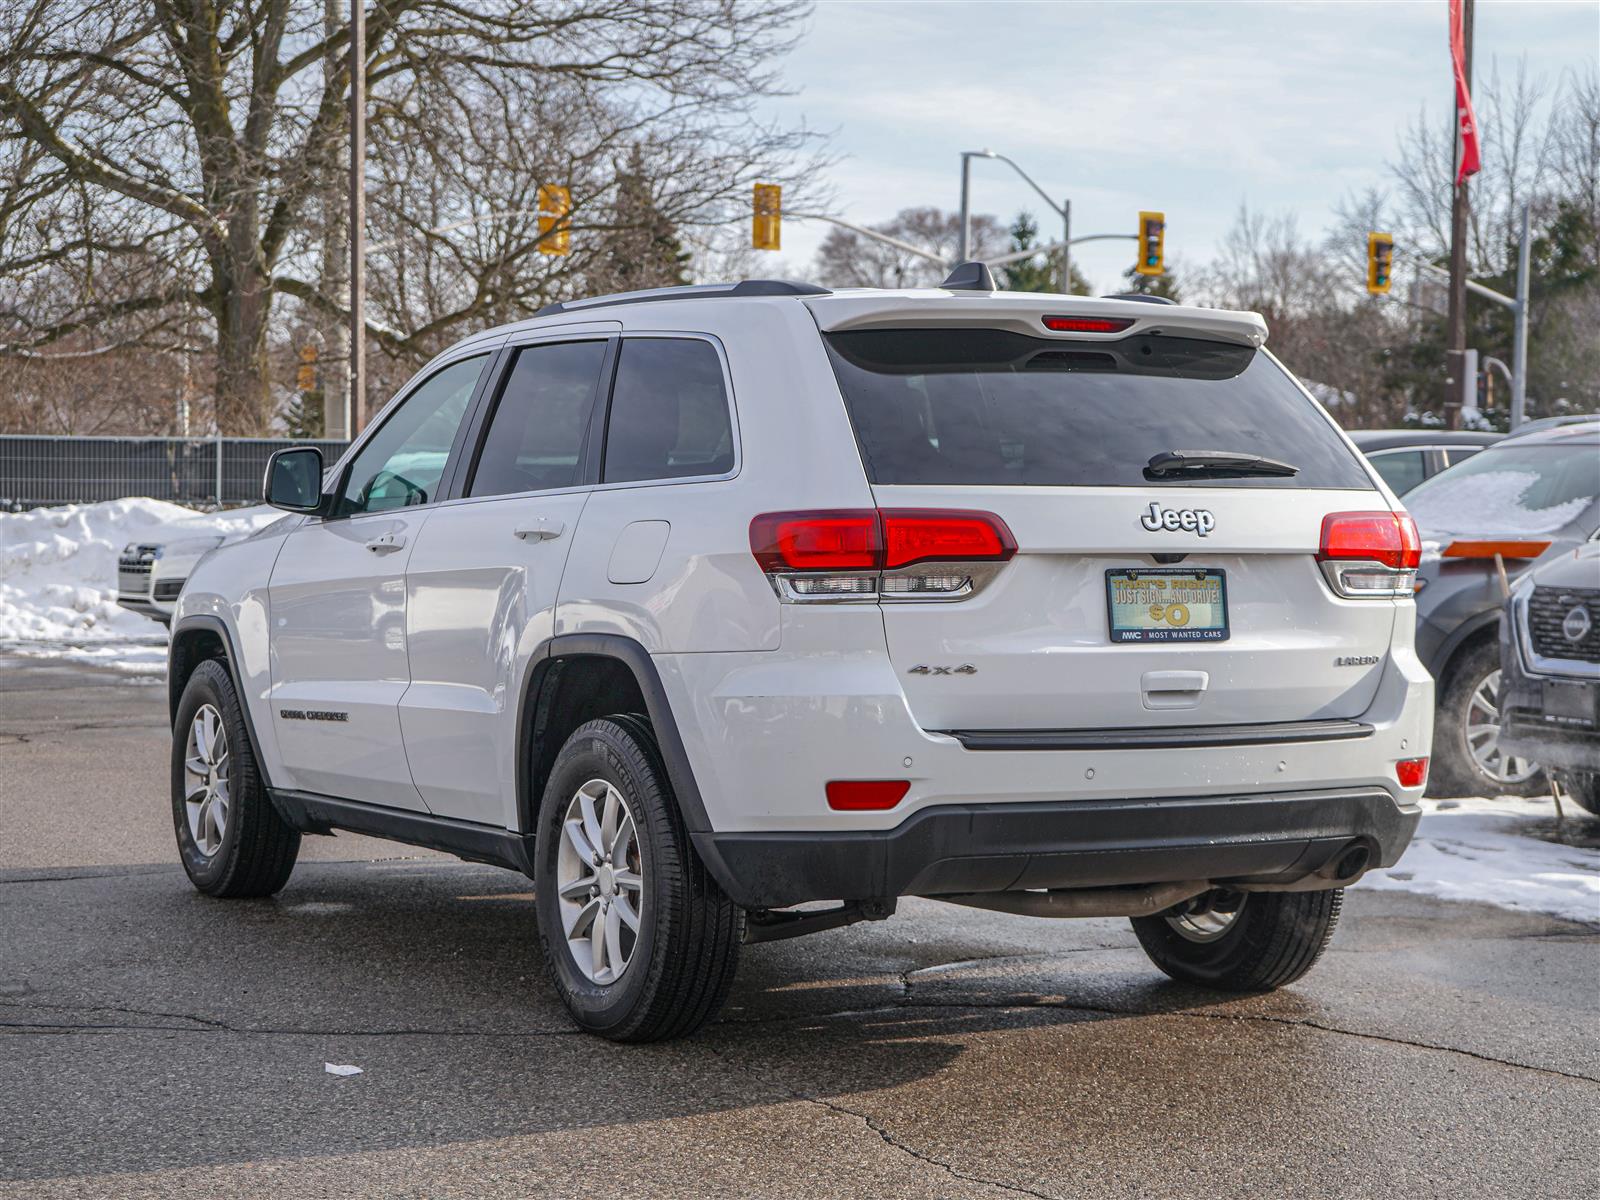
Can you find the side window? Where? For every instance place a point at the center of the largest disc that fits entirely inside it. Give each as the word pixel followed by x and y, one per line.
pixel 405 460
pixel 1402 470
pixel 535 440
pixel 669 412
pixel 1457 454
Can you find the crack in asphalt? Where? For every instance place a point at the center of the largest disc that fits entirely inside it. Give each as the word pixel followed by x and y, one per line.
pixel 211 1025
pixel 889 1139
pixel 895 1143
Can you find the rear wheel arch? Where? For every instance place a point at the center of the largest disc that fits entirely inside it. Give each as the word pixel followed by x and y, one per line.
pixel 580 678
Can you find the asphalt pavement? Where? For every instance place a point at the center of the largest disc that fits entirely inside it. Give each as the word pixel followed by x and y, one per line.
pixel 157 1043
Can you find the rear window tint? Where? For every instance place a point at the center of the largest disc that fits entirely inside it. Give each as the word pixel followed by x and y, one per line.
pixel 988 406
pixel 669 412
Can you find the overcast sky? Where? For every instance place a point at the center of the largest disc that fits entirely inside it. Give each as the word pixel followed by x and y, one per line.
pixel 1190 108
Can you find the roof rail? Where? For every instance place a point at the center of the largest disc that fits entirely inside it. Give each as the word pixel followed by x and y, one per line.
pixel 1145 297
pixel 692 291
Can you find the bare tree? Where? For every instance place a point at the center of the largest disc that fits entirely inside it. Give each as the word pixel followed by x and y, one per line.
pixel 194 141
pixel 847 259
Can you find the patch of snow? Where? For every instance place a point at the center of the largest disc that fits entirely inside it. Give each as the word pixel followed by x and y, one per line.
pixel 1487 503
pixel 58 577
pixel 1490 851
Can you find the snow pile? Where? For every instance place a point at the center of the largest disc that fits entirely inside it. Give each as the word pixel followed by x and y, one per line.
pixel 1494 852
pixel 58 574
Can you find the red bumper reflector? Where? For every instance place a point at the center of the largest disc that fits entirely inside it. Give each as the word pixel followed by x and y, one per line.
pixel 1087 324
pixel 858 795
pixel 1411 772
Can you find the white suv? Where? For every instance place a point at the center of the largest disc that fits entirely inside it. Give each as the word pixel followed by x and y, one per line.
pixel 702 604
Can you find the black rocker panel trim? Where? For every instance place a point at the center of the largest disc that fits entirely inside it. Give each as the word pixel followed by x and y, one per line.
pixel 311 813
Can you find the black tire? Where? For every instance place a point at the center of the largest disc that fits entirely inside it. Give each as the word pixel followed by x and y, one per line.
pixel 1453 771
pixel 257 849
pixel 1583 788
pixel 1275 938
pixel 682 962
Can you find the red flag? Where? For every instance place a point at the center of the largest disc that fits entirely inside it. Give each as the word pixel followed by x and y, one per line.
pixel 1467 161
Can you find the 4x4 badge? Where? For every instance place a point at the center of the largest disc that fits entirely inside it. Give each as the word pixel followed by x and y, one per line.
pixel 963 669
pixel 1195 520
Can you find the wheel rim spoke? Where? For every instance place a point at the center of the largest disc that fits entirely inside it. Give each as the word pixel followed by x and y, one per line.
pixel 599 880
pixel 624 909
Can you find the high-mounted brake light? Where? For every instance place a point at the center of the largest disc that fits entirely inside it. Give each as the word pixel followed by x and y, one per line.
pixel 1370 554
pixel 868 554
pixel 1087 324
pixel 1505 549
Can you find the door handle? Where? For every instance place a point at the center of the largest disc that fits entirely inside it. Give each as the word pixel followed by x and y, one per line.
pixel 386 543
pixel 540 529
pixel 1173 689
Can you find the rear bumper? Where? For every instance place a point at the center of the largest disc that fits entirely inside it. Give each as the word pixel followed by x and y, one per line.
pixel 1266 839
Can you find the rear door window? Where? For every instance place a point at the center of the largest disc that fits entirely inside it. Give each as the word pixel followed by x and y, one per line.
pixel 994 407
pixel 1402 470
pixel 535 441
pixel 669 414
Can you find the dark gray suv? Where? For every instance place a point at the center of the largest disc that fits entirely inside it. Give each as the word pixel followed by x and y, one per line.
pixel 1525 499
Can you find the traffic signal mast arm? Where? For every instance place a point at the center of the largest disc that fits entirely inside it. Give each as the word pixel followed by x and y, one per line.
pixel 998 261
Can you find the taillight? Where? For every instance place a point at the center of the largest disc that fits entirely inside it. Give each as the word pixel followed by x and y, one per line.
pixel 1370 554
pixel 840 539
pixel 1087 324
pixel 872 554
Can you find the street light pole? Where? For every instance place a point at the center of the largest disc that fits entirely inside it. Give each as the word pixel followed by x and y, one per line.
pixel 964 238
pixel 1066 247
pixel 358 217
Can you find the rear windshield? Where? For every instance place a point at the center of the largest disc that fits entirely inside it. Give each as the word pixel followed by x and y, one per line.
pixel 988 406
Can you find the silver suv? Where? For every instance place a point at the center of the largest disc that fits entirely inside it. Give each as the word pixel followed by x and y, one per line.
pixel 703 604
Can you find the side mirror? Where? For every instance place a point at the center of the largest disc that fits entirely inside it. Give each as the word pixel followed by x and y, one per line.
pixel 294 480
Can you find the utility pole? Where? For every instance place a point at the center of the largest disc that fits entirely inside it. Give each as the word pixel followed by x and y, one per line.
pixel 358 216
pixel 1456 382
pixel 336 375
pixel 1519 342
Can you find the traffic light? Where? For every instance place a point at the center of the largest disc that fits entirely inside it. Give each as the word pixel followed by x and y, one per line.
pixel 1380 257
pixel 1152 243
pixel 306 373
pixel 555 230
pixel 766 223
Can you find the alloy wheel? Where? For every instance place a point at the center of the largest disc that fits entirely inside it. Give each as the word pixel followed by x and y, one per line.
pixel 1200 922
pixel 1482 734
pixel 206 763
pixel 600 881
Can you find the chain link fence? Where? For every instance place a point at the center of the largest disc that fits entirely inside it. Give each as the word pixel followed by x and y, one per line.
pixel 198 472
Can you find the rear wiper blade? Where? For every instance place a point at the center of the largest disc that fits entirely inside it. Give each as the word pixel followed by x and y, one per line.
pixel 1213 464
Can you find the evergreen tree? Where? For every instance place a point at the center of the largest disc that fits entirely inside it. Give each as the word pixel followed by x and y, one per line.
pixel 1152 285
pixel 644 250
pixel 1040 273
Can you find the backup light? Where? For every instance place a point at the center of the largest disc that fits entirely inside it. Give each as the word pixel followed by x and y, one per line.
pixel 1087 324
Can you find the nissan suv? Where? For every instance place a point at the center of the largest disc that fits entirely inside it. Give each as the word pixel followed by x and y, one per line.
pixel 734 612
